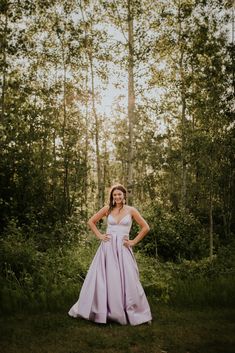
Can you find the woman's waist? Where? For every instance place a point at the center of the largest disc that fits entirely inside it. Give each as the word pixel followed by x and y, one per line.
pixel 117 230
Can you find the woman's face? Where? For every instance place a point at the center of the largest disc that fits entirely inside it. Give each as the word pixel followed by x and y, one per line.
pixel 118 196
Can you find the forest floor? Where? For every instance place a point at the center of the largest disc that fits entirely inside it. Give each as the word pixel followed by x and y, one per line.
pixel 173 330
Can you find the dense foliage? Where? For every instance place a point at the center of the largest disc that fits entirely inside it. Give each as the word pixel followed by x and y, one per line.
pixel 32 279
pixel 60 150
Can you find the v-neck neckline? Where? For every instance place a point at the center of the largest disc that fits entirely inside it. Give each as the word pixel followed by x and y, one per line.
pixel 120 219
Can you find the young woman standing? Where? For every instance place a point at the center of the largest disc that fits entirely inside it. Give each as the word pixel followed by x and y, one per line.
pixel 112 290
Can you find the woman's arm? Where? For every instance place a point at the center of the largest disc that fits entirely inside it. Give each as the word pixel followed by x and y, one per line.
pixel 94 219
pixel 144 228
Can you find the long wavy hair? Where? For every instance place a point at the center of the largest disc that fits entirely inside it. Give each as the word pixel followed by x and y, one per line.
pixel 112 204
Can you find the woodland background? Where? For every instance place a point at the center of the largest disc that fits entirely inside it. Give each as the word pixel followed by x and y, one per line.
pixel 99 92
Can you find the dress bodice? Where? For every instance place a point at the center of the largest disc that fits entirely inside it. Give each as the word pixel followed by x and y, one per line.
pixel 120 228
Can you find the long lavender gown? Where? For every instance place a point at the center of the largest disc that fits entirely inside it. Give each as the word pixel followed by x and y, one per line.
pixel 112 290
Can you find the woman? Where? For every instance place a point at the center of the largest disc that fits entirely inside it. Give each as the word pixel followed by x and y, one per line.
pixel 112 290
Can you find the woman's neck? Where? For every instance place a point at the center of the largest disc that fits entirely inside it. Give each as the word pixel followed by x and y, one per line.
pixel 119 207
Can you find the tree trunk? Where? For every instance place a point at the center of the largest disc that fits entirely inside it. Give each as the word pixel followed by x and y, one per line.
pixel 97 133
pixel 97 127
pixel 233 33
pixel 156 248
pixel 54 167
pixel 183 157
pixel 4 43
pixel 105 167
pixel 66 196
pixel 85 187
pixel 66 161
pixel 183 116
pixel 227 206
pixel 211 226
pixel 131 102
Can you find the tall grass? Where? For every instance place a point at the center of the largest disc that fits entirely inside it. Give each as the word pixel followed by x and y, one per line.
pixel 204 291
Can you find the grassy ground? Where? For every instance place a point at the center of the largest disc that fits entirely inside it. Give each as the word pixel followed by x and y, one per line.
pixel 174 330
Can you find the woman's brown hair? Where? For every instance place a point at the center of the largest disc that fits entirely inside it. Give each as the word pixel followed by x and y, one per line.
pixel 111 203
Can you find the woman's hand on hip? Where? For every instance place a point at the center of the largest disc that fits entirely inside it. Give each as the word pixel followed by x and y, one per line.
pixel 104 237
pixel 128 242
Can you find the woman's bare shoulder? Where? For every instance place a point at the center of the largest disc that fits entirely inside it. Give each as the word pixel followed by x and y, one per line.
pixel 133 210
pixel 106 207
pixel 130 209
pixel 103 211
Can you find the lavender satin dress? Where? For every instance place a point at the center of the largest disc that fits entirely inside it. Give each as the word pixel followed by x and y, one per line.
pixel 112 290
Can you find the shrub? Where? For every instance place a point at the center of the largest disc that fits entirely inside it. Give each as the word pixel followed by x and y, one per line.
pixel 32 279
pixel 175 236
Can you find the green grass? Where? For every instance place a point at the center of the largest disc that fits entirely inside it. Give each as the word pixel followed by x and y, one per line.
pixel 174 330
pixel 219 291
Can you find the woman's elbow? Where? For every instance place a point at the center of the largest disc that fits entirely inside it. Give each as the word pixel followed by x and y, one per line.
pixel 89 222
pixel 147 228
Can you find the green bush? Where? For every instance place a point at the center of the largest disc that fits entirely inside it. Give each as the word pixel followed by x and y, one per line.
pixel 156 280
pixel 174 235
pixel 204 282
pixel 32 279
